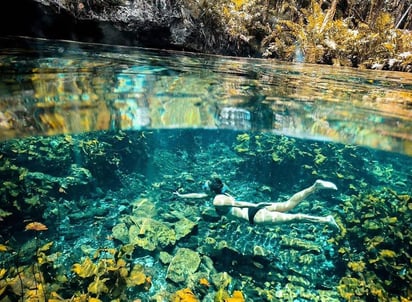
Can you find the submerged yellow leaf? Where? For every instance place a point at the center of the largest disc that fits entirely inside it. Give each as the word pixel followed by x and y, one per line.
pixel 46 247
pixel 2 272
pixel 238 3
pixel 56 295
pixel 97 286
pixel 137 276
pixel 3 248
pixel 357 266
pixel 2 289
pixel 387 253
pixel 86 269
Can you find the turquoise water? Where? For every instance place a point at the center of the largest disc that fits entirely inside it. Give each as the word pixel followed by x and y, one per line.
pixel 96 140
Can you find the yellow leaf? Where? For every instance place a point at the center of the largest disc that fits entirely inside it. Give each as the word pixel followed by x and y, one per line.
pixel 2 272
pixel 2 289
pixel 238 3
pixel 387 253
pixel 137 276
pixel 86 269
pixel 121 263
pixel 185 295
pixel 97 286
pixel 357 266
pixel 46 247
pixel 236 297
pixel 56 295
pixel 3 248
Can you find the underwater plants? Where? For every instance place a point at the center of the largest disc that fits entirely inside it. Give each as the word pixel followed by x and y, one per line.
pixel 281 263
pixel 184 295
pixel 299 157
pixel 375 247
pixel 40 170
pixel 27 282
pixel 281 149
pixel 110 273
pixel 107 274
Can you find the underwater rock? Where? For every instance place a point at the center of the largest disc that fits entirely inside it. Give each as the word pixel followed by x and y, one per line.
pixel 260 251
pixel 121 232
pixel 210 215
pixel 221 280
pixel 210 246
pixel 207 265
pixel 91 212
pixel 165 257
pixel 297 280
pixel 184 263
pixel 78 176
pixel 300 244
pixel 151 234
pixel 144 207
pixel 183 227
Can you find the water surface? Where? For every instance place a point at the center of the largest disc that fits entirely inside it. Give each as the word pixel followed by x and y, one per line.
pixel 63 87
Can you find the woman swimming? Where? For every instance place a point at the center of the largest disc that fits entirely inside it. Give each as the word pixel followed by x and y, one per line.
pixel 264 213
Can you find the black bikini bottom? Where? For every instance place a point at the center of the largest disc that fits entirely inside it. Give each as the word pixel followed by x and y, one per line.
pixel 252 213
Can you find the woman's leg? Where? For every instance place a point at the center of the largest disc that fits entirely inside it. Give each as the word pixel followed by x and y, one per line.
pixel 298 197
pixel 264 216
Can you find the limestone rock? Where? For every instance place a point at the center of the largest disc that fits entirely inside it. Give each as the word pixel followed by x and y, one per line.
pixel 210 215
pixel 121 232
pixel 165 257
pixel 300 244
pixel 183 227
pixel 151 234
pixel 161 24
pixel 144 208
pixel 184 263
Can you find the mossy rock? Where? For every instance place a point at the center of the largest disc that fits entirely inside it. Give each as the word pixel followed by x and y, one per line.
pixel 184 263
pixel 151 234
pixel 184 227
pixel 121 232
pixel 144 207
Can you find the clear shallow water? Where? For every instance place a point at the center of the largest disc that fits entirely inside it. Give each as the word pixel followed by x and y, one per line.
pixel 126 129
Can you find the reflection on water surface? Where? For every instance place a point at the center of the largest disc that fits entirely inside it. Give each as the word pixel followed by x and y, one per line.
pixel 51 87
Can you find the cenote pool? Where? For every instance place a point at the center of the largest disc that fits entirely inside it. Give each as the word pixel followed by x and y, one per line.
pixel 100 143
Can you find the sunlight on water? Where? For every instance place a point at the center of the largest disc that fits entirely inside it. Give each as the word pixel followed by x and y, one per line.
pixel 61 87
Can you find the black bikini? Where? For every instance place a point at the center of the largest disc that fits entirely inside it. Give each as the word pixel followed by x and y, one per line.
pixel 225 210
pixel 252 211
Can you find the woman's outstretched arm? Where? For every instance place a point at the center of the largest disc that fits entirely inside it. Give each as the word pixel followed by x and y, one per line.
pixel 191 195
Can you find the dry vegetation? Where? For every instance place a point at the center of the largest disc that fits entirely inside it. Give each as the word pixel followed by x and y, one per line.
pixel 370 34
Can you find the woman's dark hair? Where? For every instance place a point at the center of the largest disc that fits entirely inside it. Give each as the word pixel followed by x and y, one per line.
pixel 216 185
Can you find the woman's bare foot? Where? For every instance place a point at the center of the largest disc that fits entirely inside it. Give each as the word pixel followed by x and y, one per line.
pixel 323 184
pixel 332 222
